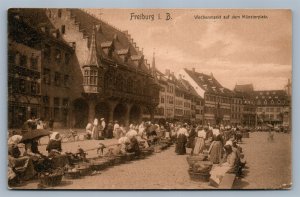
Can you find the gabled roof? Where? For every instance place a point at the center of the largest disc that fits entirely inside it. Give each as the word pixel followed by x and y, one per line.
pixel 208 83
pixel 190 89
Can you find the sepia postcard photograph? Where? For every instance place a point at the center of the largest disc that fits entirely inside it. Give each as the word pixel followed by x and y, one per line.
pixel 149 99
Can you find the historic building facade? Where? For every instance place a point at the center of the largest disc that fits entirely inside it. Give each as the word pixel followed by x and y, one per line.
pixel 24 82
pixel 217 99
pixel 272 107
pixel 101 71
pixel 248 107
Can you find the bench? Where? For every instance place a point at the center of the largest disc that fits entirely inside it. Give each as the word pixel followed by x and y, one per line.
pixel 227 181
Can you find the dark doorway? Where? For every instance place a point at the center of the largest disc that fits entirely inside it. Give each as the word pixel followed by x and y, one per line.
pixel 81 113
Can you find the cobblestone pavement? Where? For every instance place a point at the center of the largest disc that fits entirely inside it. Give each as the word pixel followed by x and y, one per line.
pixel 270 163
pixel 269 167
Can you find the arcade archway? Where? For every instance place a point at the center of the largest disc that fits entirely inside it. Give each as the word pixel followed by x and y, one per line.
pixel 135 114
pixel 120 113
pixel 80 111
pixel 102 111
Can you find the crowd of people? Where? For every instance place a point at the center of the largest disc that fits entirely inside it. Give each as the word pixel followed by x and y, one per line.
pixel 219 143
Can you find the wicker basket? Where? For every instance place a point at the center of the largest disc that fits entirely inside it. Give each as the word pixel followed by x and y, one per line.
pixel 99 165
pixel 50 180
pixel 198 176
pixel 73 174
pixel 84 169
pixel 192 159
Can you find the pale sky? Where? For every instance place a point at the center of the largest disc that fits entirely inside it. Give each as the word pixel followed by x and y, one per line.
pixel 238 51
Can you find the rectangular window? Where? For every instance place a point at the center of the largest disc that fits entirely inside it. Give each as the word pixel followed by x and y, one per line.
pixel 34 88
pixel 34 62
pixel 46 100
pixel 67 58
pixel 66 81
pixel 59 13
pixel 162 100
pixel 23 60
pixel 56 101
pixel 22 86
pixel 47 76
pixel 58 55
pixel 11 57
pixel 57 79
pixel 93 77
pixel 63 29
pixel 65 102
pixel 47 52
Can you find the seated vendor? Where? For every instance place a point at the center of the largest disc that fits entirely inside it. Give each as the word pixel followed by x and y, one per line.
pixel 54 145
pixel 20 166
pixel 133 146
pixel 229 166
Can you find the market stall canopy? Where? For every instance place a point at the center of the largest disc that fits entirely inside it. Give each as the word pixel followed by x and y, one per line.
pixel 34 134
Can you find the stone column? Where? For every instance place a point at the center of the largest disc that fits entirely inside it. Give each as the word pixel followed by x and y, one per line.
pixel 127 114
pixel 92 105
pixel 111 109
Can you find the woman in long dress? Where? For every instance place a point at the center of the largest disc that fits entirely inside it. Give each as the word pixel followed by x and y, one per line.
pixel 215 150
pixel 199 142
pixel 230 166
pixel 95 130
pixel 181 141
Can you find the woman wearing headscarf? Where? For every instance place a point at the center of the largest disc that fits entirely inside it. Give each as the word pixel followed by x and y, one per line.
pixel 215 150
pixel 54 145
pixel 95 130
pixel 89 130
pixel 109 130
pixel 229 166
pixel 117 131
pixel 21 167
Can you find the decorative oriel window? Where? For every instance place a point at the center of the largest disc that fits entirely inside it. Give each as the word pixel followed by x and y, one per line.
pixel 90 76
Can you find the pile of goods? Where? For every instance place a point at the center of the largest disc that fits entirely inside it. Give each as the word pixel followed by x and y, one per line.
pixel 199 167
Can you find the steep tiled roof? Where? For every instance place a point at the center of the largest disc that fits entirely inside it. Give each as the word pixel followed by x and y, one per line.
pixel 208 83
pixel 244 88
pixel 106 35
pixel 189 88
